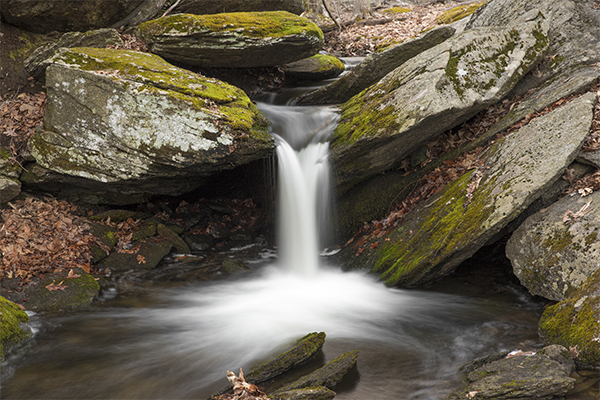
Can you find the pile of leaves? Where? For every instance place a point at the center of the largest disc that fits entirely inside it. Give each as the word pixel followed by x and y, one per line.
pixel 19 116
pixel 41 236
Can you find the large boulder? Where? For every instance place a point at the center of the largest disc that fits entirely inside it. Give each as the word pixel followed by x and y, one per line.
pixel 233 40
pixel 44 16
pixel 467 213
pixel 556 250
pixel 228 6
pixel 374 67
pixel 432 92
pixel 14 326
pixel 128 122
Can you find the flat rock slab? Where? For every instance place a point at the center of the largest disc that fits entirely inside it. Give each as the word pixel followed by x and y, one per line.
pixel 432 92
pixel 228 6
pixel 233 40
pixel 315 68
pixel 458 221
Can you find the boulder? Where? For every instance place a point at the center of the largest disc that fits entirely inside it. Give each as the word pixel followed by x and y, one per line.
pixel 522 375
pixel 14 326
pixel 42 16
pixel 121 125
pixel 574 323
pixel 9 188
pixel 229 6
pixel 459 220
pixel 63 294
pixel 145 255
pixel 432 92
pixel 233 40
pixel 316 68
pixel 556 250
pixel 374 67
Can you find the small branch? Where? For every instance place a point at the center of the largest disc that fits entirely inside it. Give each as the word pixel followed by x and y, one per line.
pixel 331 16
pixel 171 8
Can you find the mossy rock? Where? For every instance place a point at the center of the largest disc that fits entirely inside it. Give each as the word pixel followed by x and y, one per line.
pixel 14 327
pixel 198 242
pixel 233 40
pixel 310 393
pixel 64 294
pixel 458 13
pixel 178 243
pixel 229 6
pixel 117 215
pixel 106 235
pixel 9 188
pixel 396 10
pixel 232 266
pixel 147 256
pixel 315 68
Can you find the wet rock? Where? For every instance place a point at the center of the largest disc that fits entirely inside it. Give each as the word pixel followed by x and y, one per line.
pixel 178 243
pixel 198 242
pixel 106 235
pixel 375 67
pixel 42 16
pixel 574 323
pixel 556 250
pixel 316 68
pixel 468 212
pixel 434 91
pixel 147 256
pixel 14 326
pixel 233 40
pixel 233 266
pixel 117 215
pixel 311 393
pixel 122 125
pixel 304 350
pixel 228 6
pixel 63 294
pixel 328 375
pixel 37 62
pixel 518 377
pixel 147 229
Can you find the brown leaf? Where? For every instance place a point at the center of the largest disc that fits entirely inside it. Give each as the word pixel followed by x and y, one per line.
pixel 52 287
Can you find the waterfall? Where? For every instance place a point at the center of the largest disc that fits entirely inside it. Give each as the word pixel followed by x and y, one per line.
pixel 301 135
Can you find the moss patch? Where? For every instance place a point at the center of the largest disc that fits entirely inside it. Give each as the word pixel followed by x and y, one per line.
pixel 75 294
pixel 458 13
pixel 11 332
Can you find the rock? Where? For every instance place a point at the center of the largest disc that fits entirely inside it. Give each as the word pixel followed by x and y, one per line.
pixel 304 350
pixel 180 245
pixel 234 40
pixel 9 188
pixel 590 157
pixel 458 13
pixel 37 62
pixel 574 323
pixel 14 326
pixel 459 220
pixel 198 242
pixel 316 68
pixel 122 125
pixel 145 257
pixel 233 266
pixel 8 168
pixel 229 6
pixel 106 235
pixel 328 375
pixel 556 250
pixel 117 215
pixel 311 393
pixel 42 16
pixel 76 294
pixel 375 67
pixel 434 91
pixel 518 377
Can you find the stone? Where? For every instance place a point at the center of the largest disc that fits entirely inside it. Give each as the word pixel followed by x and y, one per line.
pixel 432 92
pixel 37 62
pixel 311 393
pixel 124 125
pixel 14 326
pixel 229 6
pixel 316 68
pixel 374 67
pixel 78 293
pixel 179 244
pixel 43 16
pixel 106 236
pixel 150 252
pixel 556 250
pixel 464 215
pixel 198 242
pixel 232 40
pixel 9 188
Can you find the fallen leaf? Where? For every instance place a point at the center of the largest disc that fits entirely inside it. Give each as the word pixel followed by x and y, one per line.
pixel 72 275
pixel 52 287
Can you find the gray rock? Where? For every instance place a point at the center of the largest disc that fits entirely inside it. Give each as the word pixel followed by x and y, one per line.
pixel 315 68
pixel 228 6
pixel 518 377
pixel 311 393
pixel 590 157
pixel 454 224
pixel 44 16
pixel 432 92
pixel 178 243
pixel 77 293
pixel 130 122
pixel 555 251
pixel 233 40
pixel 145 257
pixel 9 188
pixel 198 242
pixel 375 67
pixel 37 62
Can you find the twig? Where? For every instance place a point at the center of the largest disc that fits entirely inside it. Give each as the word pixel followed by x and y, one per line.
pixel 331 16
pixel 171 8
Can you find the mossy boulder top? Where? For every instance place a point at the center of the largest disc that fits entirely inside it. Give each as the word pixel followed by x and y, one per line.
pixel 432 92
pixel 233 40
pixel 315 68
pixel 467 213
pixel 130 118
pixel 228 6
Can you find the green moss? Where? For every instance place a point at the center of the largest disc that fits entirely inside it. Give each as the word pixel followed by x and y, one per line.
pixel 328 62
pixel 457 13
pixel 558 241
pixel 251 24
pixel 11 333
pixel 396 10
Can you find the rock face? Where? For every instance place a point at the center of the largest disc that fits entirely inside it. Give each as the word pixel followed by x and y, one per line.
pixel 44 16
pixel 452 226
pixel 228 6
pixel 374 67
pixel 132 122
pixel 434 91
pixel 556 251
pixel 233 40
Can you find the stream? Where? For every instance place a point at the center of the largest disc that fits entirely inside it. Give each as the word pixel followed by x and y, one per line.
pixel 158 340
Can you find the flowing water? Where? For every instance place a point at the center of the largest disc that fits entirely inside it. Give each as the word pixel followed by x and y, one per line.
pixel 166 341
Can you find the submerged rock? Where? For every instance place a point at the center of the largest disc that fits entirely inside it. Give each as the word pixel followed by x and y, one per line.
pixel 432 92
pixel 127 124
pixel 468 212
pixel 14 326
pixel 229 6
pixel 233 40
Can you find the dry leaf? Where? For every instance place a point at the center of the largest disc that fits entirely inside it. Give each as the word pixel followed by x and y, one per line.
pixel 52 287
